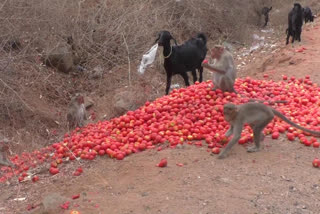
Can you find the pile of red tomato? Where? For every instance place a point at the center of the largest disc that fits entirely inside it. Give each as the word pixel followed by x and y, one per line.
pixel 191 115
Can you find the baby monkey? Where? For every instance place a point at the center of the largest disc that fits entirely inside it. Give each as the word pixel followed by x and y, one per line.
pixel 258 116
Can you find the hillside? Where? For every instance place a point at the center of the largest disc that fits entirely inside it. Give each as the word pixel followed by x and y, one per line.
pixel 35 98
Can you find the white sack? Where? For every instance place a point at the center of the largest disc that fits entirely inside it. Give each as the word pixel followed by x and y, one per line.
pixel 148 58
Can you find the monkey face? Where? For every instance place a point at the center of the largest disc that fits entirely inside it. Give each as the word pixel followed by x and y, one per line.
pixel 80 99
pixel 216 53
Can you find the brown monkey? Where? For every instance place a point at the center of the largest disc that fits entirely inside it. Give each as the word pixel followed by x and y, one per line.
pixel 224 69
pixel 258 116
pixel 225 72
pixel 76 112
pixel 4 149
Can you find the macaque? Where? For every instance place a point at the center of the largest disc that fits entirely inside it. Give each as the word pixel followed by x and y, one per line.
pixel 4 149
pixel 76 112
pixel 224 69
pixel 225 72
pixel 258 116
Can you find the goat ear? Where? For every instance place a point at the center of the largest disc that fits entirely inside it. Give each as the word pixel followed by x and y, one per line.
pixel 157 39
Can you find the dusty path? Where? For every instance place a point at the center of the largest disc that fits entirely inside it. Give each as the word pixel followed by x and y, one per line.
pixel 279 179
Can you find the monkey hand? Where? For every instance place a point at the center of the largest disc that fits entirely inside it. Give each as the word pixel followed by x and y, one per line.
pixel 204 62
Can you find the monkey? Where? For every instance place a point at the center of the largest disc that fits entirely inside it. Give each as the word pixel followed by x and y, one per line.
pixel 76 112
pixel 258 116
pixel 225 72
pixel 4 156
pixel 224 69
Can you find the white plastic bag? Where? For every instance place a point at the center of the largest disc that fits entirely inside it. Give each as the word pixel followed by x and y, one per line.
pixel 148 58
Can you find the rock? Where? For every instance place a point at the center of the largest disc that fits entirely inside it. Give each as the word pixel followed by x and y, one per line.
pixel 96 73
pixel 53 201
pixel 50 204
pixel 64 57
pixel 128 100
pixel 61 58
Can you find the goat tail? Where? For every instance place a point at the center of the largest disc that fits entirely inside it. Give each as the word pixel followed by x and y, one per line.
pixel 203 37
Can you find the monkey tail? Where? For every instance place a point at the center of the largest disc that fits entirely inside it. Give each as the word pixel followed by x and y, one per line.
pixel 270 102
pixel 285 119
pixel 261 101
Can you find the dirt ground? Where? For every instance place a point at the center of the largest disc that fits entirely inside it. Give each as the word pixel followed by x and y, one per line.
pixel 279 179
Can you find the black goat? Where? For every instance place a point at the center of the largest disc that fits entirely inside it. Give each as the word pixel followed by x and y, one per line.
pixel 307 13
pixel 180 59
pixel 295 21
pixel 265 11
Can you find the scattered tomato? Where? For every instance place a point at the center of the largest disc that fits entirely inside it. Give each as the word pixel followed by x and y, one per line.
pixel 162 163
pixel 35 178
pixel 76 196
pixel 216 150
pixel 54 170
pixel 316 162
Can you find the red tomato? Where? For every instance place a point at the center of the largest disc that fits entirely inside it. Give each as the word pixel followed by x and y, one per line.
pixel 162 163
pixel 275 135
pixel 316 162
pixel 54 170
pixel 216 150
pixel 76 196
pixel 119 156
pixel 205 61
pixel 35 178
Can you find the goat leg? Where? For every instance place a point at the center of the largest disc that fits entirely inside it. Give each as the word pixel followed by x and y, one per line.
pixel 194 75
pixel 200 73
pixel 185 77
pixel 266 20
pixel 169 77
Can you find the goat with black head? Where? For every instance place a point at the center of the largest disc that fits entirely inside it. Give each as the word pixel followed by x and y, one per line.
pixel 307 14
pixel 180 59
pixel 295 22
